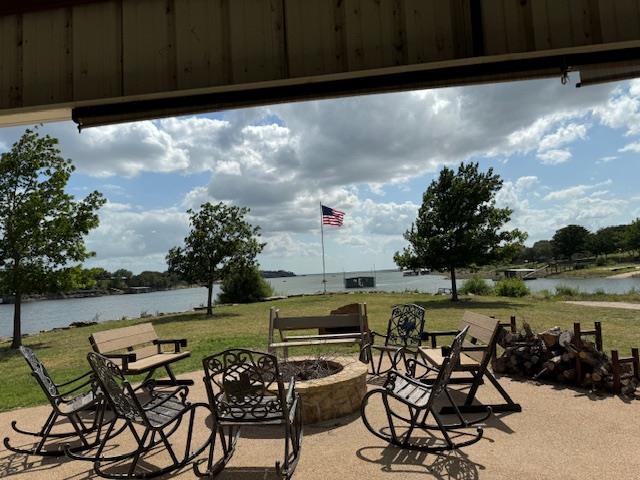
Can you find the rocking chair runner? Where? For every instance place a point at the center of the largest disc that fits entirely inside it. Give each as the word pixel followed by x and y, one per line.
pixel 158 414
pixel 408 402
pixel 76 400
pixel 245 388
pixel 405 330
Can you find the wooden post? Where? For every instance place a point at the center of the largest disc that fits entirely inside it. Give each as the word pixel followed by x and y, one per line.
pixel 578 343
pixel 615 367
pixel 616 361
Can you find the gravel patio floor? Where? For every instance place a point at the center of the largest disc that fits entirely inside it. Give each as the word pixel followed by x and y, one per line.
pixel 562 433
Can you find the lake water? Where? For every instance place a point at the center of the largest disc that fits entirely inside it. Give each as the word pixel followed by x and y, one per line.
pixel 47 314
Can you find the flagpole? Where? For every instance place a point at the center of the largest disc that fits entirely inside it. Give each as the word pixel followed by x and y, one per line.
pixel 324 280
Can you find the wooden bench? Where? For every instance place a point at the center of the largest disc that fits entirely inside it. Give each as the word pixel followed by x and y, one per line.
pixel 478 348
pixel 346 325
pixel 137 349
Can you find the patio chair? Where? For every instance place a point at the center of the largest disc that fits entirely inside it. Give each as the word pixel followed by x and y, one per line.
pixel 245 388
pixel 153 417
pixel 405 330
pixel 408 402
pixel 75 401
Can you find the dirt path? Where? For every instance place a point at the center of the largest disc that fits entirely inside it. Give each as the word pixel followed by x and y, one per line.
pixel 625 274
pixel 626 305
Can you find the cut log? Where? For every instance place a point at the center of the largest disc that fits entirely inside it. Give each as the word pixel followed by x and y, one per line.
pixel 552 363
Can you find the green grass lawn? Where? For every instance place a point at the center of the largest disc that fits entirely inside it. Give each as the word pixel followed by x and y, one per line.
pixel 64 351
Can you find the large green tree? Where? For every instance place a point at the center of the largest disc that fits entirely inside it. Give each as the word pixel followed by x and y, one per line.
pixel 568 241
pixel 632 235
pixel 219 241
pixel 459 225
pixel 608 240
pixel 42 227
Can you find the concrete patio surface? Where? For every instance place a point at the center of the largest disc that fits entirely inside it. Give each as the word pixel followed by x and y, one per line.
pixel 561 433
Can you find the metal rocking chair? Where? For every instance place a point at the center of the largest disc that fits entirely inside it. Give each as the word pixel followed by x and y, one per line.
pixel 405 330
pixel 152 416
pixel 76 400
pixel 245 388
pixel 408 402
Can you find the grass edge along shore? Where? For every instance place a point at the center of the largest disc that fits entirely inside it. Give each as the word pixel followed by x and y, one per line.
pixel 64 351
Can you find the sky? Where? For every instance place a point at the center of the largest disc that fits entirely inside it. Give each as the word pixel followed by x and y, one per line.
pixel 566 156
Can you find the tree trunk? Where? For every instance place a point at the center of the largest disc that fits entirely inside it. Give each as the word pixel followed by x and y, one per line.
pixel 454 288
pixel 17 330
pixel 209 297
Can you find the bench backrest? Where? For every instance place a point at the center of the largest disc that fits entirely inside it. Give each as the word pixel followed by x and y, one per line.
pixel 354 322
pixel 139 338
pixel 483 330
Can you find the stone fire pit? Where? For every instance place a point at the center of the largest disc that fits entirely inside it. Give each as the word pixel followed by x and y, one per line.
pixel 333 396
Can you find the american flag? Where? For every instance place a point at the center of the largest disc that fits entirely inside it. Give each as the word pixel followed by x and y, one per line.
pixel 331 216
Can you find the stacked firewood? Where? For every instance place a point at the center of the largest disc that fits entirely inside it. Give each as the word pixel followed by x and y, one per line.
pixel 557 356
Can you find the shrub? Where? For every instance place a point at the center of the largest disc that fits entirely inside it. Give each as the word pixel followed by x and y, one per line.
pixel 566 291
pixel 244 285
pixel 601 261
pixel 511 287
pixel 477 286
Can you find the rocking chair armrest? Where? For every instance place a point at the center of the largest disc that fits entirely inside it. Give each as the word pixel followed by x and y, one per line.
pixel 293 407
pixel 440 333
pixel 291 389
pixel 74 380
pixel 182 390
pixel 474 348
pixel 373 334
pixel 148 384
pixel 411 368
pixel 76 388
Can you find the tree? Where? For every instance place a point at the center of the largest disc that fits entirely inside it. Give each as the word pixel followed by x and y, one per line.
pixel 41 226
pixel 632 235
pixel 570 240
pixel 608 240
pixel 244 285
pixel 220 241
pixel 459 225
pixel 542 250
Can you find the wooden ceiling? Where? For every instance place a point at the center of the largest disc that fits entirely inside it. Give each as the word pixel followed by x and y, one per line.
pixel 108 61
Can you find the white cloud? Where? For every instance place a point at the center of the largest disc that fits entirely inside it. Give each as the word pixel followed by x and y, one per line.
pixel 554 157
pixel 631 147
pixel 283 160
pixel 564 135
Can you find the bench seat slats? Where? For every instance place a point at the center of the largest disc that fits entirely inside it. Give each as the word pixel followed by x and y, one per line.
pixel 346 336
pixel 158 360
pixel 434 357
pixel 319 341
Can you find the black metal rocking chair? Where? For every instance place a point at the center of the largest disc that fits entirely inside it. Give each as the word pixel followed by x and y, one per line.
pixel 152 416
pixel 245 388
pixel 405 330
pixel 76 400
pixel 408 402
